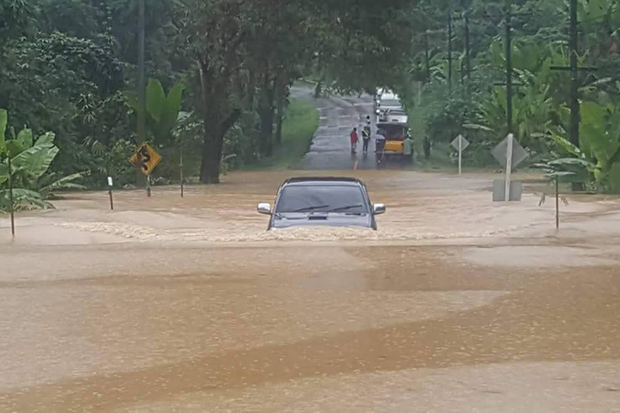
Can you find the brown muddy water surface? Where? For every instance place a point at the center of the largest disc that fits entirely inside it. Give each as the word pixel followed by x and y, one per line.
pixel 169 304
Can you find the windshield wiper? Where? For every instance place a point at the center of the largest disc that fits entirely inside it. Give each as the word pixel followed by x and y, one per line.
pixel 344 208
pixel 310 208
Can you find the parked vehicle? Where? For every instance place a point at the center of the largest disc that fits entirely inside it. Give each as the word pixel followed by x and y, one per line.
pixel 335 202
pixel 388 101
pixel 394 116
pixel 395 134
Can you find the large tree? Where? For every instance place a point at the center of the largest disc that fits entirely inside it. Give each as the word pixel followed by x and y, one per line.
pixel 359 44
pixel 214 32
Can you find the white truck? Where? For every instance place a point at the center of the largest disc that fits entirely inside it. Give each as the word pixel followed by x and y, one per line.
pixel 385 102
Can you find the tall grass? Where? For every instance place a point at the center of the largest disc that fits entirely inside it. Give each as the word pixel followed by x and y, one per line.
pixel 300 124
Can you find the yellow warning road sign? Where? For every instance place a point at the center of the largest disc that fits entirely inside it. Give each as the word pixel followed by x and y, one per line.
pixel 146 159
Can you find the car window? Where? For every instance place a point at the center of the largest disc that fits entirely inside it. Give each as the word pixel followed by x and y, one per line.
pixel 316 198
pixel 390 103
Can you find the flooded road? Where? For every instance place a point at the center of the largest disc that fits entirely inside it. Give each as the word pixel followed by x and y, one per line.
pixel 169 304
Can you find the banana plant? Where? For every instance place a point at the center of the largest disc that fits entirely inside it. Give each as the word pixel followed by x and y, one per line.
pixel 30 161
pixel 162 110
pixel 596 161
pixel 600 141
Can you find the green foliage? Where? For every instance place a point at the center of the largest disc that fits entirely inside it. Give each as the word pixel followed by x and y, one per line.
pixel 162 110
pixel 600 142
pixel 300 124
pixel 3 122
pixel 22 199
pixel 29 172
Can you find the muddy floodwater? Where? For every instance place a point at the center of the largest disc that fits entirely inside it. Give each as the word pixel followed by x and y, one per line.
pixel 189 305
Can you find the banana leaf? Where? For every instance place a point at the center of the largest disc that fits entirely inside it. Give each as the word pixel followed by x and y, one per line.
pixel 34 162
pixel 67 182
pixel 24 139
pixel 4 172
pixel 46 139
pixel 3 121
pixel 22 199
pixel 155 99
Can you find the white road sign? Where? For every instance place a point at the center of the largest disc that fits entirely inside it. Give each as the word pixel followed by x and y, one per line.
pixel 464 143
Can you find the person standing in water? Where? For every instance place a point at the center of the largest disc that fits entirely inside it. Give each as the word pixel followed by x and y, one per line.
pixel 380 144
pixel 408 146
pixel 366 138
pixel 354 140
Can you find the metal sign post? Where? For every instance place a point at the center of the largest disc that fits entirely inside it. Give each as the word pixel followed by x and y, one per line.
pixel 509 148
pixel 460 144
pixel 460 154
pixel 557 202
pixel 509 154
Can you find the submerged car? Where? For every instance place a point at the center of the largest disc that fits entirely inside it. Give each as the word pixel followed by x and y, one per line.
pixel 333 202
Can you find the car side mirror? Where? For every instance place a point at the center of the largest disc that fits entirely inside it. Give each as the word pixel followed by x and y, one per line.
pixel 378 209
pixel 264 208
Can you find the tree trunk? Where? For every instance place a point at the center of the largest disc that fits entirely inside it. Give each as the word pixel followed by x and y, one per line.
pixel 279 120
pixel 211 156
pixel 251 90
pixel 280 103
pixel 267 113
pixel 213 129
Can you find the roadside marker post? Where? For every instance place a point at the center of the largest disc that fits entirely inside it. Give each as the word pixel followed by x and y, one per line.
pixel 181 172
pixel 509 154
pixel 11 207
pixel 460 144
pixel 110 184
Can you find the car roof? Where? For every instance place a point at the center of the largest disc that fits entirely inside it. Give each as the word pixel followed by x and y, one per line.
pixel 322 181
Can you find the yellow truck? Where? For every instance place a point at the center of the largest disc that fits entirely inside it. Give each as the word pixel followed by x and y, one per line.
pixel 396 146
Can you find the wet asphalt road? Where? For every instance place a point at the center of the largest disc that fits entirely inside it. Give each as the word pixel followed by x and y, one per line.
pixel 338 115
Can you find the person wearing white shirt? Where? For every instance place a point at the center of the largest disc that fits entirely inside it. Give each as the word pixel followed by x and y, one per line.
pixel 379 138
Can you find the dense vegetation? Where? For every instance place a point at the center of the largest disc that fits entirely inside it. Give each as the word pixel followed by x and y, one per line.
pixel 221 72
pixel 70 67
pixel 475 104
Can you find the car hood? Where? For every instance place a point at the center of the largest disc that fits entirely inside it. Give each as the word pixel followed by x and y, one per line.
pixel 321 220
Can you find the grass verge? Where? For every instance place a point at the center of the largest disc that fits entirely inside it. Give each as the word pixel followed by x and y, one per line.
pixel 300 125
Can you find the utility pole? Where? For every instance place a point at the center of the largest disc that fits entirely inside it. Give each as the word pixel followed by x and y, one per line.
pixel 141 82
pixel 508 71
pixel 427 57
pixel 467 46
pixel 450 53
pixel 575 118
pixel 574 77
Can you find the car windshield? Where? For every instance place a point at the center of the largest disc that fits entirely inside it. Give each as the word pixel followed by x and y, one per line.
pixel 390 103
pixel 322 198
